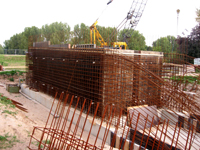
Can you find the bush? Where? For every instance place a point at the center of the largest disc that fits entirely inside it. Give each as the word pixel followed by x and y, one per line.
pixel 11 79
pixel 12 72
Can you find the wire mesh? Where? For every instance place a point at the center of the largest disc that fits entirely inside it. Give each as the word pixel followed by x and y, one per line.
pixel 120 79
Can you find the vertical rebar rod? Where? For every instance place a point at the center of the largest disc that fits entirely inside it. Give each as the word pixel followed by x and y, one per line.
pixel 116 129
pixel 187 138
pixel 156 134
pixel 84 122
pixel 129 127
pixel 174 136
pixel 66 118
pixel 161 134
pixel 178 135
pixel 191 137
pixel 53 123
pixel 100 124
pixel 92 123
pixel 143 131
pixel 133 138
pixel 124 130
pixel 149 132
pixel 165 134
pixel 108 127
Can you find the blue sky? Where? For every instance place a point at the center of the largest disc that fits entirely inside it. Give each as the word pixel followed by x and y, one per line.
pixel 159 18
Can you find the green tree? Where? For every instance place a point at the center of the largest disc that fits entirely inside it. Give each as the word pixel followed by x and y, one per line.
pixel 1 49
pixel 136 40
pixel 198 14
pixel 23 40
pixel 193 42
pixel 30 35
pixel 149 48
pixel 56 33
pixel 191 45
pixel 165 44
pixel 15 42
pixel 6 44
pixel 108 34
pixel 18 41
pixel 81 34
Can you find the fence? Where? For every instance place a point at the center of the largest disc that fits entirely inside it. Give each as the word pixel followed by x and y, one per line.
pixel 15 51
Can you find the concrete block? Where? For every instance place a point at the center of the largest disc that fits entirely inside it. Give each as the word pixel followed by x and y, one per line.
pixel 144 110
pixel 117 142
pixel 47 101
pixel 166 114
pixel 136 147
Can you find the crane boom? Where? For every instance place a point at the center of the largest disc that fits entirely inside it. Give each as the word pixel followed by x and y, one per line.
pixel 96 35
pixel 132 19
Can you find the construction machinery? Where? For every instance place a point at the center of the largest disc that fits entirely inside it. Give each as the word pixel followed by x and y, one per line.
pixel 97 35
pixel 133 16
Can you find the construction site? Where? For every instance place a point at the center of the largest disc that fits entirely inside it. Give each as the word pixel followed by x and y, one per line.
pixel 126 98
pixel 111 97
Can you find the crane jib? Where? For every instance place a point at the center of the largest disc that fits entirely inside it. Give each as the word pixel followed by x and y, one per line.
pixel 110 1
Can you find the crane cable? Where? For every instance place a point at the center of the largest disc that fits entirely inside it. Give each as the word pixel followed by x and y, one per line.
pixel 105 9
pixel 102 12
pixel 117 29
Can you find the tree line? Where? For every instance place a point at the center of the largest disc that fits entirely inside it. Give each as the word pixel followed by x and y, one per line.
pixel 190 44
pixel 61 33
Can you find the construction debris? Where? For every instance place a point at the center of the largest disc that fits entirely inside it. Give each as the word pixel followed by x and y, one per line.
pixel 17 104
pixel 12 88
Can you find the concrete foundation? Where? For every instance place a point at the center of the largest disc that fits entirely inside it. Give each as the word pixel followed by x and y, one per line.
pixel 47 101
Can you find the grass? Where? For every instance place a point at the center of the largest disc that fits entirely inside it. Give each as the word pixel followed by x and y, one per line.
pixel 47 142
pixel 9 112
pixel 12 72
pixel 7 141
pixel 5 101
pixel 36 143
pixel 29 133
pixel 190 79
pixel 11 79
pixel 197 70
pixel 12 60
pixel 41 146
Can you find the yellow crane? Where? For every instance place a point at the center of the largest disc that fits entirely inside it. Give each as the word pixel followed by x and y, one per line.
pixel 98 36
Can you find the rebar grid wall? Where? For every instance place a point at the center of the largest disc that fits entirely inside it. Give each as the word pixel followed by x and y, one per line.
pixel 105 76
pixel 113 79
pixel 74 129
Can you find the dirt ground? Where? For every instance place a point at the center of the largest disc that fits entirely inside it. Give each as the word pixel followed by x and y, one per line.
pixel 7 67
pixel 20 123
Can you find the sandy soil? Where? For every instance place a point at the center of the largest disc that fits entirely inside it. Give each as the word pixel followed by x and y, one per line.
pixel 7 67
pixel 20 124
